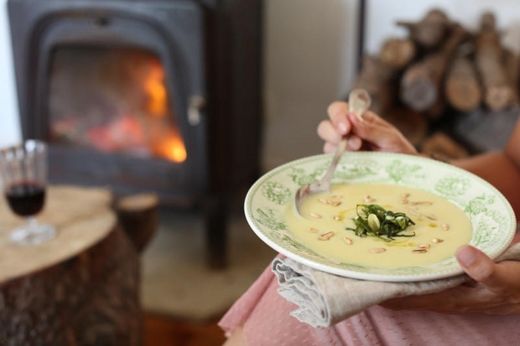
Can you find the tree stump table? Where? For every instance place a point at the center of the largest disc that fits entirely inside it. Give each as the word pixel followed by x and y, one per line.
pixel 81 288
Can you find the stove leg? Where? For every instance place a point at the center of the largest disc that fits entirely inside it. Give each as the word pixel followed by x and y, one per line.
pixel 216 223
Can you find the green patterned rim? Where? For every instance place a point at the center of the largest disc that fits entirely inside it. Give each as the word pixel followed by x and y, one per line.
pixel 491 215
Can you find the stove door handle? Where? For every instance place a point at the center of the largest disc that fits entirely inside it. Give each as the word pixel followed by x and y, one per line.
pixel 195 106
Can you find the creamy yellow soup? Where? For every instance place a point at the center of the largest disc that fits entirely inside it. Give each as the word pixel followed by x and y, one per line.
pixel 440 226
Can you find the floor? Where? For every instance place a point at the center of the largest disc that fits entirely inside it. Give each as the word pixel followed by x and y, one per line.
pixel 162 330
pixel 176 279
pixel 182 297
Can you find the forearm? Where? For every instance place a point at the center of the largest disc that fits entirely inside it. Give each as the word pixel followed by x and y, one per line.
pixel 499 170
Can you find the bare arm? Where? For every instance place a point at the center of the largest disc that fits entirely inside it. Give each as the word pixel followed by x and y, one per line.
pixel 496 289
pixel 501 169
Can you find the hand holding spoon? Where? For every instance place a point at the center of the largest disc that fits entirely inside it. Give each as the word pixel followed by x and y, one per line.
pixel 358 103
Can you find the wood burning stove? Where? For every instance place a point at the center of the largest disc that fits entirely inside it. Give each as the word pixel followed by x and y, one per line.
pixel 141 95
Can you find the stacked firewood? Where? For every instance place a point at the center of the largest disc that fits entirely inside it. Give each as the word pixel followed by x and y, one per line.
pixel 438 66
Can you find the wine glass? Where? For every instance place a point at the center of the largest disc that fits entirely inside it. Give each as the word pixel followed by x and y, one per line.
pixel 23 170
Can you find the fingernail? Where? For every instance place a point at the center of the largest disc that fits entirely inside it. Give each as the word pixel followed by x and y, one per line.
pixel 466 256
pixel 342 127
pixel 354 118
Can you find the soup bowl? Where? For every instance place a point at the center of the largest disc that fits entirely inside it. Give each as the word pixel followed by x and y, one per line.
pixel 492 219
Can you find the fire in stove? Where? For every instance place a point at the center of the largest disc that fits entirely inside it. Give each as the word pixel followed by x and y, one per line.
pixel 171 148
pixel 114 101
pixel 156 91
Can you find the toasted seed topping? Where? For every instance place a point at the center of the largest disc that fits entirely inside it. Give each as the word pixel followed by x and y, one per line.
pixel 431 217
pixel 337 218
pixel 422 203
pixel 423 246
pixel 369 199
pixel 445 227
pixel 313 230
pixel 326 236
pixel 405 197
pixel 419 250
pixel 348 240
pixel 333 202
pixel 377 250
pixel 315 215
pixel 373 222
pixel 330 201
pixel 432 224
pixel 437 240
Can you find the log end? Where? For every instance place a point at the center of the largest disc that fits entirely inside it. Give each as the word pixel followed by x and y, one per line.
pixel 462 95
pixel 138 215
pixel 397 53
pixel 498 98
pixel 419 93
pixel 138 202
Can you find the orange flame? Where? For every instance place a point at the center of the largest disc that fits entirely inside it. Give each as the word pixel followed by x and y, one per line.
pixel 156 92
pixel 172 148
pixel 167 144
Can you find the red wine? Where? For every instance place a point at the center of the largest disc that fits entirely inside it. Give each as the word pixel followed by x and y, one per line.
pixel 25 198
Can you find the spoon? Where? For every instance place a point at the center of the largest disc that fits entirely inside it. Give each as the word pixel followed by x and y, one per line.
pixel 358 103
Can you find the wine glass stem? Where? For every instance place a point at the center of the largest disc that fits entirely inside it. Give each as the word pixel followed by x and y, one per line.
pixel 32 224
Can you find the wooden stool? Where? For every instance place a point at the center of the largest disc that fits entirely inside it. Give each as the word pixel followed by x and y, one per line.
pixel 81 288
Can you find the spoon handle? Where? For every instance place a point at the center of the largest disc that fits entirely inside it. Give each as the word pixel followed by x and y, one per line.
pixel 327 177
pixel 358 103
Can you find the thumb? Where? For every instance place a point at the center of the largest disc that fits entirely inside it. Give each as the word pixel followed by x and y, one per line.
pixel 477 265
